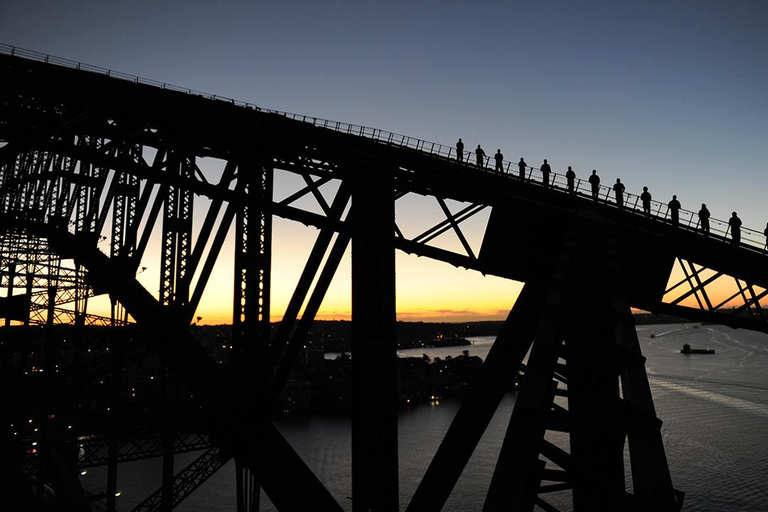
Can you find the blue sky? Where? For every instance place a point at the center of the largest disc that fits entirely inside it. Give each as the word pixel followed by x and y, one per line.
pixel 665 94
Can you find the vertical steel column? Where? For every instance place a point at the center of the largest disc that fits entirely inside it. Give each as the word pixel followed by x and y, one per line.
pixel 592 366
pixel 31 268
pixel 80 194
pixel 112 472
pixel 51 356
pixel 123 217
pixel 118 229
pixel 174 287
pixel 168 438
pixel 185 205
pixel 253 255
pixel 651 478
pixel 113 419
pixel 251 309
pixel 11 278
pixel 374 347
pixel 177 236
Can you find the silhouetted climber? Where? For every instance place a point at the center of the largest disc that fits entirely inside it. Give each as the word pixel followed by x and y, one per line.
pixel 766 237
pixel 571 177
pixel 618 189
pixel 645 197
pixel 735 223
pixel 545 172
pixel 704 219
pixel 674 211
pixel 522 165
pixel 594 180
pixel 460 151
pixel 480 155
pixel 499 161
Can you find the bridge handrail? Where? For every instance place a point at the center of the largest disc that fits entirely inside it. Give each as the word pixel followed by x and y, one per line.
pixel 750 238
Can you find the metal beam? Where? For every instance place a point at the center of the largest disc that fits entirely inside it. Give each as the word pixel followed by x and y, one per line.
pixel 374 345
pixel 478 407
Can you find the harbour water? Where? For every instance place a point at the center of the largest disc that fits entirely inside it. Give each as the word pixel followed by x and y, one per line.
pixel 714 410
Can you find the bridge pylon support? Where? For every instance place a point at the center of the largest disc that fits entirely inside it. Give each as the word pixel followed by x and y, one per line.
pixel 374 345
pixel 251 311
pixel 585 381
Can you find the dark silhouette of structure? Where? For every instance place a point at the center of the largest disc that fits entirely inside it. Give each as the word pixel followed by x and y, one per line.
pixel 674 210
pixel 460 150
pixel 645 197
pixel 93 166
pixel 594 182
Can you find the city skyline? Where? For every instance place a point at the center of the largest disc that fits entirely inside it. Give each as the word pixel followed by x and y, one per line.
pixel 664 95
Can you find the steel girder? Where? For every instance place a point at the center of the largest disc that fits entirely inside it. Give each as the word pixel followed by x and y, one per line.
pixel 709 294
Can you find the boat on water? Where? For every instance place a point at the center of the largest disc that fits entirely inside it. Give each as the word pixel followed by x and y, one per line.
pixel 688 350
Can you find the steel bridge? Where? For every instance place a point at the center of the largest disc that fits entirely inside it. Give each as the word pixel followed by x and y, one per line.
pixel 93 163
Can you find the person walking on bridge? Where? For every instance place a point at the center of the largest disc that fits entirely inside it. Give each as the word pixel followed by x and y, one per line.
pixel 645 197
pixel 765 232
pixel 704 219
pixel 480 155
pixel 618 189
pixel 735 224
pixel 460 151
pixel 674 211
pixel 545 172
pixel 521 165
pixel 571 177
pixel 499 161
pixel 594 180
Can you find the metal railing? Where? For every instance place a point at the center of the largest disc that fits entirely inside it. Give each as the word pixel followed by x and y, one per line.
pixel 750 239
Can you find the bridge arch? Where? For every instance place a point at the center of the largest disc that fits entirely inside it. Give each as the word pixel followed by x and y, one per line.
pixel 76 156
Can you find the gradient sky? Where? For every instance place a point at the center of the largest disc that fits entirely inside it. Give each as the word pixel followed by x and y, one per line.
pixel 665 94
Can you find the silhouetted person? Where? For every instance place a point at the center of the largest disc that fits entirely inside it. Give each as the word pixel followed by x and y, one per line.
pixel 460 151
pixel 618 189
pixel 499 161
pixel 480 156
pixel 571 177
pixel 545 172
pixel 674 211
pixel 645 197
pixel 522 165
pixel 766 237
pixel 594 180
pixel 704 219
pixel 735 223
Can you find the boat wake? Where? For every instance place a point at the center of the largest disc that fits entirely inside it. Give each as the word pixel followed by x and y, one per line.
pixel 729 401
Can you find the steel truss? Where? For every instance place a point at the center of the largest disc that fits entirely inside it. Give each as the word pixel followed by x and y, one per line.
pixel 185 482
pixel 46 283
pixel 84 188
pixel 742 305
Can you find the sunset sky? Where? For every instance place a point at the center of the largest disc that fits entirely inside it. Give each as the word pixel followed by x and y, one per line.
pixel 665 94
